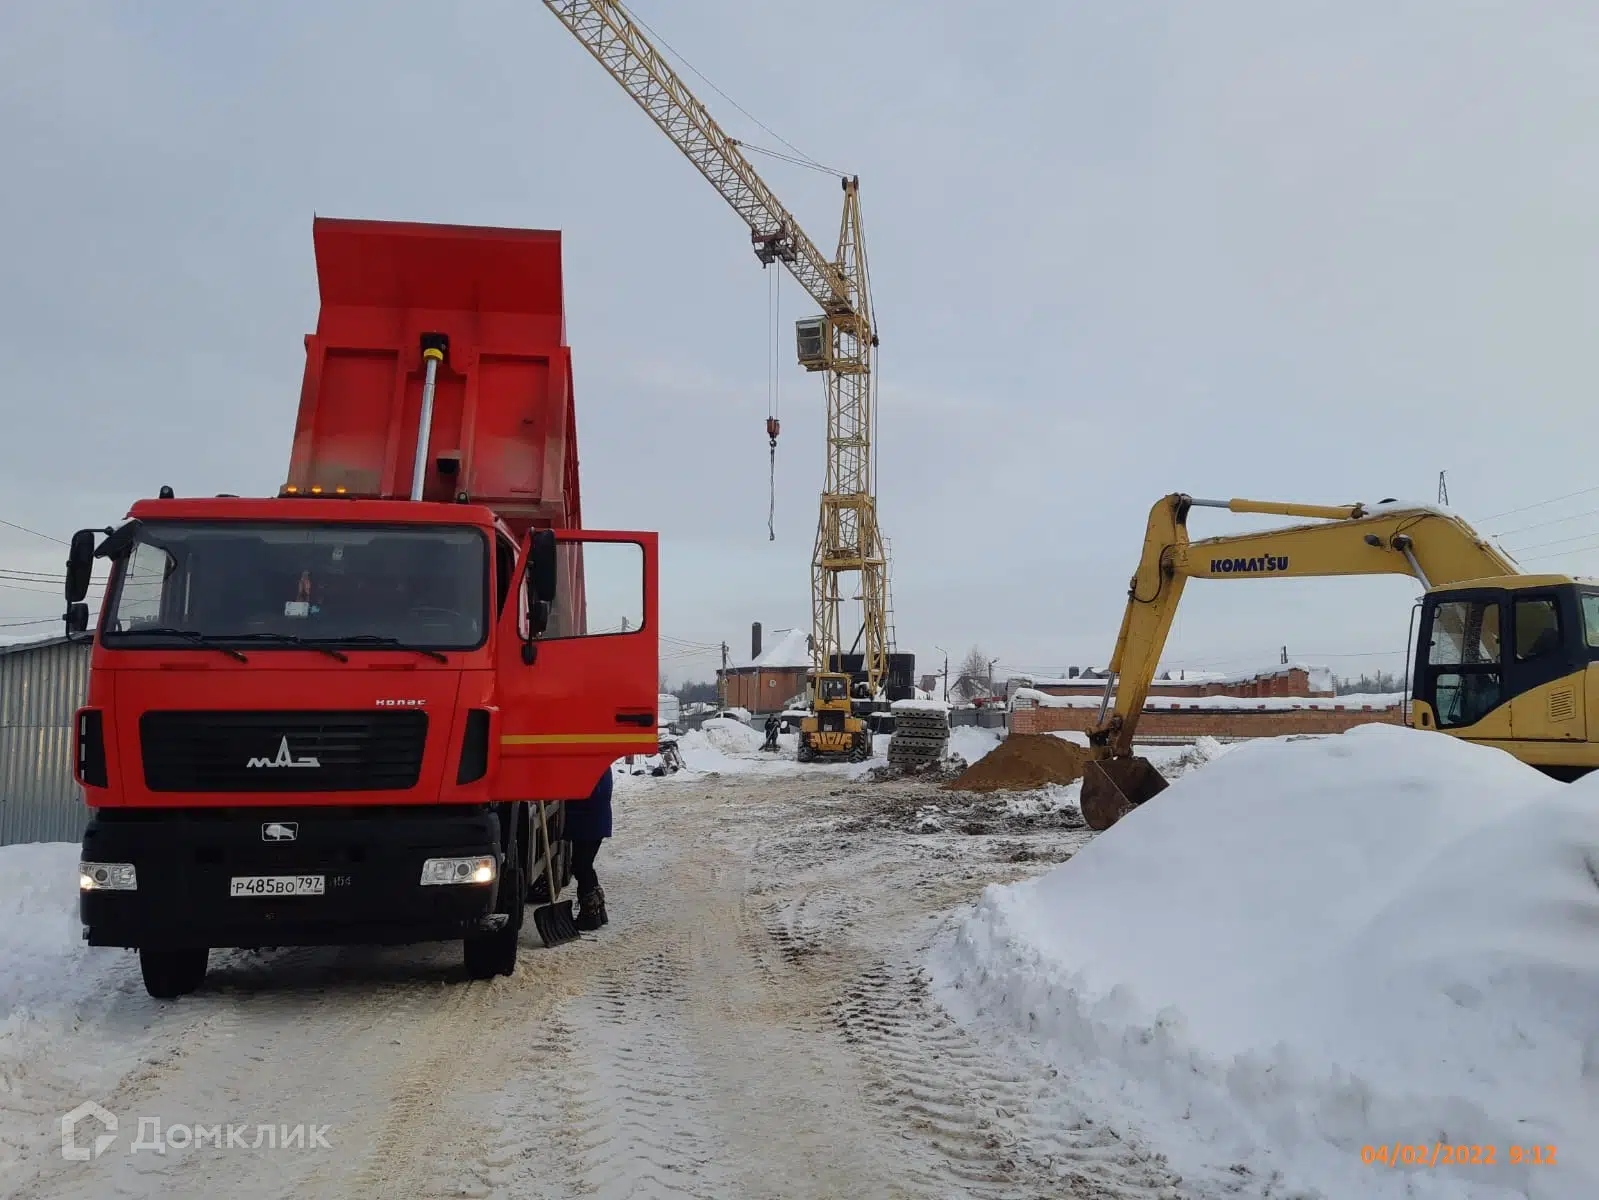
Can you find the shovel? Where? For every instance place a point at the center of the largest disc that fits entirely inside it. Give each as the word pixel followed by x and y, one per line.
pixel 554 921
pixel 1113 787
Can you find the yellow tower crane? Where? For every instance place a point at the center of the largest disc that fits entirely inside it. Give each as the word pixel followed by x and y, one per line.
pixel 839 343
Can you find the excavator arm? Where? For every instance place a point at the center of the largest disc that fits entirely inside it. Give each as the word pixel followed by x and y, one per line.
pixel 1427 544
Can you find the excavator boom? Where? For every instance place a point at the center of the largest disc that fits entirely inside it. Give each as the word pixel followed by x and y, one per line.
pixel 1431 545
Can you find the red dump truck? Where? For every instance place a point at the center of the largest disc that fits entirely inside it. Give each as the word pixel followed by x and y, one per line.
pixel 353 712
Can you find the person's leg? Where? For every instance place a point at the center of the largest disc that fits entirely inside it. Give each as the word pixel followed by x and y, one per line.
pixel 583 854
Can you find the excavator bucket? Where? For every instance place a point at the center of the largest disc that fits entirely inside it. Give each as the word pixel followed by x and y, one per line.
pixel 1113 787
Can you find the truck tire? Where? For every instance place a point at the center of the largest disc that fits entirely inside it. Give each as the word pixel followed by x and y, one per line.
pixel 861 750
pixel 169 974
pixel 805 754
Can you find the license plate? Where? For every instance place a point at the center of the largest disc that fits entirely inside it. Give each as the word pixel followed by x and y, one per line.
pixel 278 885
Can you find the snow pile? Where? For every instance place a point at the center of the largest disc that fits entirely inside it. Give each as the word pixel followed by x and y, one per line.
pixel 1315 945
pixel 971 743
pixel 731 737
pixel 40 942
pixel 920 705
pixel 55 992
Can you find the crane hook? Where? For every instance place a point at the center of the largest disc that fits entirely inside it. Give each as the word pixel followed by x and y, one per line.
pixel 773 426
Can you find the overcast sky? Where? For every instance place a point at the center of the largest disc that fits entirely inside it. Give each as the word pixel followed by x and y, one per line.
pixel 1313 252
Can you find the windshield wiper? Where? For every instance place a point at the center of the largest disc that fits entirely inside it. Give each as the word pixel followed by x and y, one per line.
pixel 199 639
pixel 373 639
pixel 289 639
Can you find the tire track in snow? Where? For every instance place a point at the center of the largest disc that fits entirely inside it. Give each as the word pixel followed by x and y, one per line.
pixel 929 1080
pixel 934 1079
pixel 286 1039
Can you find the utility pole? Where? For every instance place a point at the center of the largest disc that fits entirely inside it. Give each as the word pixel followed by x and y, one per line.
pixel 946 669
pixel 1285 656
pixel 721 680
pixel 1443 491
pixel 991 663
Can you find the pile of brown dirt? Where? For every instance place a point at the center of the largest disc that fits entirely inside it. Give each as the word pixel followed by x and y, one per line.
pixel 1021 762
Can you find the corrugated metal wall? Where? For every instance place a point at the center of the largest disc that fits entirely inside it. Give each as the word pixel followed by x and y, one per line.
pixel 40 688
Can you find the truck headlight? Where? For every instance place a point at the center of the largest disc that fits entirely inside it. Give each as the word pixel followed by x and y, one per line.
pixel 477 869
pixel 107 877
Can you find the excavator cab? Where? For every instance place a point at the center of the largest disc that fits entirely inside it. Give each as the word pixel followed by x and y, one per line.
pixel 1504 662
pixel 832 730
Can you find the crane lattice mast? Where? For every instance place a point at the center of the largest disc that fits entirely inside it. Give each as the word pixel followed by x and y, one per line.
pixel 839 343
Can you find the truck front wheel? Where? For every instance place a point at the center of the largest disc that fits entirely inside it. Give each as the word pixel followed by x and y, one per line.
pixel 169 974
pixel 489 954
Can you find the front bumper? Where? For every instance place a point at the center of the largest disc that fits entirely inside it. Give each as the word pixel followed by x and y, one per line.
pixel 371 859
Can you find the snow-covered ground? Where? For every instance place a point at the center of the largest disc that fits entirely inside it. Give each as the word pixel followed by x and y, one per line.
pixel 726 747
pixel 1314 946
pixel 819 983
pixel 754 1022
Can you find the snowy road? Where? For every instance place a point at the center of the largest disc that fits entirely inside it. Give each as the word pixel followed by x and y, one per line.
pixel 753 1023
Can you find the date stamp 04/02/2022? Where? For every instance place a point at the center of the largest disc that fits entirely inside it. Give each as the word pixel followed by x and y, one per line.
pixel 1445 1154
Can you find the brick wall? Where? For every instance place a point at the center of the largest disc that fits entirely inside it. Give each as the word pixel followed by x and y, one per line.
pixel 1292 682
pixel 765 689
pixel 1210 722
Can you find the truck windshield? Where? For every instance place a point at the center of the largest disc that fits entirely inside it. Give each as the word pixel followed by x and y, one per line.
pixel 275 583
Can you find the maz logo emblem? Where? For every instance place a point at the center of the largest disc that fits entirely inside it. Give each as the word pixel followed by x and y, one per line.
pixel 284 758
pixel 280 831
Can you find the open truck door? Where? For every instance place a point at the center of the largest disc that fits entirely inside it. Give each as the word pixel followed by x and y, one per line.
pixel 578 661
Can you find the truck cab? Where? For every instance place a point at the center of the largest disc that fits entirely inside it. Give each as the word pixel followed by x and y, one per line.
pixel 353 712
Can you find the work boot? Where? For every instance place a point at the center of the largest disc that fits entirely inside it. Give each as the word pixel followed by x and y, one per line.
pixel 591 909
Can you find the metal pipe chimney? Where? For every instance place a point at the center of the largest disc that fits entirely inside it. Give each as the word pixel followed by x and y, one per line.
pixel 755 640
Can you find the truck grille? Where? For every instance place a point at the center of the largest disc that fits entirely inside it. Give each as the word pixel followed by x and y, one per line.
pixel 282 751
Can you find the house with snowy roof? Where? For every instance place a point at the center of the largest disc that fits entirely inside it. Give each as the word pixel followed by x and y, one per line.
pixel 774 674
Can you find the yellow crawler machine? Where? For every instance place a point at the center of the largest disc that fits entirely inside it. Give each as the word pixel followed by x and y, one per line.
pixel 832 730
pixel 1501 658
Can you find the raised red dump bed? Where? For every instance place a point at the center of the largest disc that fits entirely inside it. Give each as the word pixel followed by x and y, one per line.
pixel 503 419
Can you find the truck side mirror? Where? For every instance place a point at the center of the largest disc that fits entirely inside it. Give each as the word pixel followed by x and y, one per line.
pixel 76 617
pixel 80 565
pixel 541 586
pixel 541 566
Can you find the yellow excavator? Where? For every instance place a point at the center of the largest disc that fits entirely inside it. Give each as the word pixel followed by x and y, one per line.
pixel 1501 658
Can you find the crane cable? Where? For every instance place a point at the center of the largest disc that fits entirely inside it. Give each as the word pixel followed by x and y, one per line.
pixel 773 400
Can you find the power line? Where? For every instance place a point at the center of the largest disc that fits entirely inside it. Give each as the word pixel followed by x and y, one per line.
pixel 35 532
pixel 35 621
pixel 1560 553
pixel 1576 537
pixel 1541 503
pixel 1552 521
